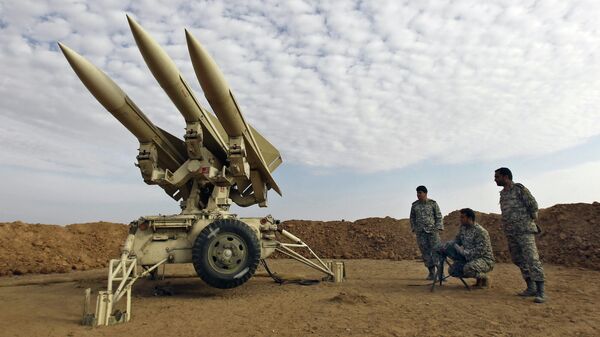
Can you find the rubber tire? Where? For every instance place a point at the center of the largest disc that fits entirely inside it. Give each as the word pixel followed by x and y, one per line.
pixel 200 253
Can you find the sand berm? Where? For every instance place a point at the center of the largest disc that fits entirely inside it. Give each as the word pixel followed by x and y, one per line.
pixel 570 237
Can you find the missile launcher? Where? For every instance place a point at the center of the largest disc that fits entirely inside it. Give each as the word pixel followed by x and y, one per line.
pixel 221 160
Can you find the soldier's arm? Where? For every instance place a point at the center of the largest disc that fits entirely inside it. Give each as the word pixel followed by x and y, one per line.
pixel 479 247
pixel 412 218
pixel 458 238
pixel 530 203
pixel 439 224
pixel 486 245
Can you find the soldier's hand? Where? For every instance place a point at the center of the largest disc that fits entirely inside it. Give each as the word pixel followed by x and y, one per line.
pixel 459 249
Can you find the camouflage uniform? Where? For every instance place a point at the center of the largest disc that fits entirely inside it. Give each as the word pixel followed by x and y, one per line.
pixel 426 222
pixel 519 209
pixel 478 258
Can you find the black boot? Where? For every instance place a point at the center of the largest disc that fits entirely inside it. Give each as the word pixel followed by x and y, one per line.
pixel 531 289
pixel 440 273
pixel 540 297
pixel 431 273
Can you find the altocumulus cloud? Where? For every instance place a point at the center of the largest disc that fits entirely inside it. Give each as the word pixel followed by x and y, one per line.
pixel 331 83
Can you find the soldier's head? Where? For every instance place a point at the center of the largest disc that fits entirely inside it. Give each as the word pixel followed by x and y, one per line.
pixel 422 193
pixel 467 216
pixel 502 176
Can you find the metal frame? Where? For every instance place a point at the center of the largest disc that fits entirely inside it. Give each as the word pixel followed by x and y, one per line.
pixel 439 275
pixel 285 248
pixel 125 272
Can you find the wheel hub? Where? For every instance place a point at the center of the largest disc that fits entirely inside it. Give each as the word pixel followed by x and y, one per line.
pixel 227 253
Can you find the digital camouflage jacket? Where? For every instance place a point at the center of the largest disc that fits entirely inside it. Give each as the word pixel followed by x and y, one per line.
pixel 519 210
pixel 426 216
pixel 476 242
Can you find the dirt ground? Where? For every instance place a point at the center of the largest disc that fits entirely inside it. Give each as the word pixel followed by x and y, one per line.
pixel 379 298
pixel 44 270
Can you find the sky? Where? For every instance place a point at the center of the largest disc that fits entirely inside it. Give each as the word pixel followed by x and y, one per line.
pixel 365 100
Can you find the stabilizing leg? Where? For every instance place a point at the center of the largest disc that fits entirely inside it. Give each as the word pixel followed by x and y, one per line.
pixel 439 273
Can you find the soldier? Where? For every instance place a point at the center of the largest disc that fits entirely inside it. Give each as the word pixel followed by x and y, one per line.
pixel 426 223
pixel 519 212
pixel 472 253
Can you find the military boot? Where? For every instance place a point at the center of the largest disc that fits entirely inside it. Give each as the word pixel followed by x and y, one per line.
pixel 485 282
pixel 482 283
pixel 531 289
pixel 440 274
pixel 540 297
pixel 431 275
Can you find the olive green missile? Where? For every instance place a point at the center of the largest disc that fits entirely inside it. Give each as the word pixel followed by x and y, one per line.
pixel 170 79
pixel 114 99
pixel 221 99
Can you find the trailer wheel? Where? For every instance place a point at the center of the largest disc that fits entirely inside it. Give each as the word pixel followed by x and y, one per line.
pixel 226 253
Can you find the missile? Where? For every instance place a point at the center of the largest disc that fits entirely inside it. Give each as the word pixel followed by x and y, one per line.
pixel 170 79
pixel 114 99
pixel 216 90
pixel 221 99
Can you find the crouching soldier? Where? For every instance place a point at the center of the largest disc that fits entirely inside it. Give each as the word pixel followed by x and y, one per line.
pixel 471 250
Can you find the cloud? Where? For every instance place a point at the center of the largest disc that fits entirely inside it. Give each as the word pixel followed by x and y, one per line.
pixel 332 85
pixel 40 197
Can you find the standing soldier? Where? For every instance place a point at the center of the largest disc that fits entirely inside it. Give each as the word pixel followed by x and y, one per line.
pixel 426 223
pixel 519 212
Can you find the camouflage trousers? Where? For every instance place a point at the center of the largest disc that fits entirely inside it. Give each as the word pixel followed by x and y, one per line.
pixel 524 254
pixel 427 243
pixel 477 268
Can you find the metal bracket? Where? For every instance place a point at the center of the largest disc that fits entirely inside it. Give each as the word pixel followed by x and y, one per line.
pixel 123 271
pixel 286 249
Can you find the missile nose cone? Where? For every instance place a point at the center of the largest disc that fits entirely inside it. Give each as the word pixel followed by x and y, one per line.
pixel 146 44
pixel 188 36
pixel 101 86
pixel 133 23
pixel 68 52
pixel 216 89
pixel 160 64
pixel 207 71
pixel 61 46
pixel 134 26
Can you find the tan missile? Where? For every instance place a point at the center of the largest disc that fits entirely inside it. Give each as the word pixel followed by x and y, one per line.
pixel 216 90
pixel 112 97
pixel 170 79
pixel 221 99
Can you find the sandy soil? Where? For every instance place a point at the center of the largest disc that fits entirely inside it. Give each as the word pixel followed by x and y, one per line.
pixel 383 296
pixel 379 298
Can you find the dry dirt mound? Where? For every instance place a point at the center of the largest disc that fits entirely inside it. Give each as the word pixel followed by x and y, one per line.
pixel 570 238
pixel 26 248
pixel 569 235
pixel 374 238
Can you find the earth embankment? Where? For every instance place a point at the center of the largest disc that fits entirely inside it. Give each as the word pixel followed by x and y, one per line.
pixel 570 237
